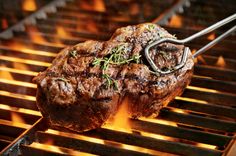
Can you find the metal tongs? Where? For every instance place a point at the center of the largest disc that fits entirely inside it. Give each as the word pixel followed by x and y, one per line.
pixel 188 39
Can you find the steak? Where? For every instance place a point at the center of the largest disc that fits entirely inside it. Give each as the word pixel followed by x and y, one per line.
pixel 86 83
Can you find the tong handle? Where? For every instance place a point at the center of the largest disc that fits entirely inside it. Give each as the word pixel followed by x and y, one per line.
pixel 210 29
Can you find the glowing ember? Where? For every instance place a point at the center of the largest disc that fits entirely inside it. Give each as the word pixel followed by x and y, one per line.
pixel 211 37
pixel 29 5
pixel 221 62
pixel 176 21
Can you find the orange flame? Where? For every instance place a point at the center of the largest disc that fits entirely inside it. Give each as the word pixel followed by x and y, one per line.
pixel 201 59
pixel 62 32
pixel 35 38
pixel 221 62
pixel 211 37
pixel 20 66
pixel 29 5
pixel 95 5
pixel 99 5
pixel 176 21
pixel 16 118
pixel 5 74
pixel 121 120
pixel 92 26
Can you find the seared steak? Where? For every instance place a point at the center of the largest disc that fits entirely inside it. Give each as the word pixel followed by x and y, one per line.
pixel 86 83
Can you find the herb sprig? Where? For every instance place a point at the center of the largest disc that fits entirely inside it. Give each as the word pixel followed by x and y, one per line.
pixel 117 57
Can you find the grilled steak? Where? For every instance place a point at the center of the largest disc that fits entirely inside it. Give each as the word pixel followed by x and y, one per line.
pixel 86 83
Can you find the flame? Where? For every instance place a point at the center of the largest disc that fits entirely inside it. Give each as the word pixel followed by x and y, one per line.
pixel 6 74
pixel 206 146
pixel 99 5
pixel 16 118
pixel 29 5
pixel 221 62
pixel 211 37
pixel 62 32
pixel 4 23
pixel 176 21
pixel 20 66
pixel 91 26
pixel 94 5
pixel 201 59
pixel 121 119
pixel 35 38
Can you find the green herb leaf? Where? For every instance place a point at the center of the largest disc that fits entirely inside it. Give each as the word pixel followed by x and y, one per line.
pixel 73 53
pixel 150 27
pixel 61 79
pixel 117 57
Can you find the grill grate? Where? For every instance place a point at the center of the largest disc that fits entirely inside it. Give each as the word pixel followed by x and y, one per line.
pixel 200 122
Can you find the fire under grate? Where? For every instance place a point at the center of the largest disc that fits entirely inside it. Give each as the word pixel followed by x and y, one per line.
pixel 200 122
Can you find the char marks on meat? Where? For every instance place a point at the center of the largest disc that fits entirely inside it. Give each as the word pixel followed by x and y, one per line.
pixel 86 83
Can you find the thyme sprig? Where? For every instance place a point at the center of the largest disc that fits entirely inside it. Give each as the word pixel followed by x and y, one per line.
pixel 117 57
pixel 61 79
pixel 110 81
pixel 150 27
pixel 73 53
